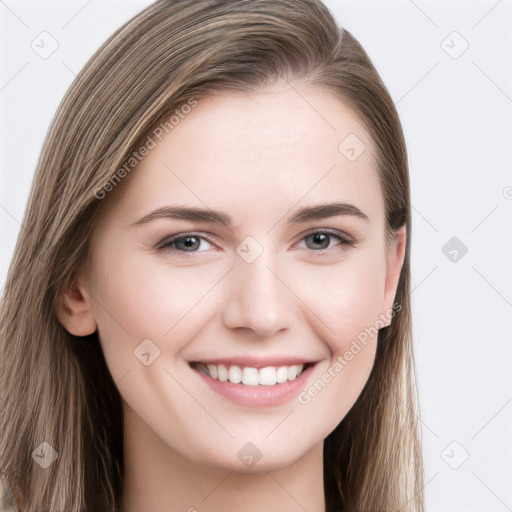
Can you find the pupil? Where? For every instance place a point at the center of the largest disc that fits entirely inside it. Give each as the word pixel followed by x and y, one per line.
pixel 190 242
pixel 320 240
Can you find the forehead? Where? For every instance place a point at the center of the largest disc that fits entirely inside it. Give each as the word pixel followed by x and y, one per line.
pixel 259 154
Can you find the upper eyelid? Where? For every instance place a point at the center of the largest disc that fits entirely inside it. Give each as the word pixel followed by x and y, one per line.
pixel 172 238
pixel 329 231
pixel 345 239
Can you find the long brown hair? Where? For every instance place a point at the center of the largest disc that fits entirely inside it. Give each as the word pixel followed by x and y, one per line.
pixel 56 388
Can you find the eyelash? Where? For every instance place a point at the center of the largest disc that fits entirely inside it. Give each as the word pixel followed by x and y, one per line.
pixel 166 243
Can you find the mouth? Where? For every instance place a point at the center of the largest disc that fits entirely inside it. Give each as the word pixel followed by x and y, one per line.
pixel 252 383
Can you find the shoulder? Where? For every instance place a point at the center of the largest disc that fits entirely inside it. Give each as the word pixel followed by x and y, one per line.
pixel 7 501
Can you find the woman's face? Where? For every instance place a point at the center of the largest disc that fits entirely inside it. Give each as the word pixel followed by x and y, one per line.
pixel 249 243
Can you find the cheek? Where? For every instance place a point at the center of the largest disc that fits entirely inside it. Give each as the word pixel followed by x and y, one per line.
pixel 146 315
pixel 148 300
pixel 343 305
pixel 346 298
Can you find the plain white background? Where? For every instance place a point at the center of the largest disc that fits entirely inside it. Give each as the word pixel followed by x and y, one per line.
pixel 448 68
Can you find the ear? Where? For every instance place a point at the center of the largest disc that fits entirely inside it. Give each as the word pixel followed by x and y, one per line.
pixel 395 260
pixel 73 310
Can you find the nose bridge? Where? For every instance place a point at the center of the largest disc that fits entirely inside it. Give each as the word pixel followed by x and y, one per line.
pixel 258 300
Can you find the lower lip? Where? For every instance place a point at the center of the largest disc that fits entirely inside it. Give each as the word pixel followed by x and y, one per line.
pixel 258 396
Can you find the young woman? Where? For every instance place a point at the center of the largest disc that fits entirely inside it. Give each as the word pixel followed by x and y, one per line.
pixel 208 305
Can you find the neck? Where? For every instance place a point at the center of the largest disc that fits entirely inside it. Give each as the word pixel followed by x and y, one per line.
pixel 159 479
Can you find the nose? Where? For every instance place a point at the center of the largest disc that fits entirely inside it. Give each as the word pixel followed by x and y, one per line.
pixel 258 300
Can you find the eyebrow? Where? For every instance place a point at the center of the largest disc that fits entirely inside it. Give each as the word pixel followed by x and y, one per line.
pixel 323 211
pixel 187 213
pixel 305 214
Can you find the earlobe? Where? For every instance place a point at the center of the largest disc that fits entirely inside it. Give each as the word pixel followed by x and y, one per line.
pixel 73 310
pixel 395 261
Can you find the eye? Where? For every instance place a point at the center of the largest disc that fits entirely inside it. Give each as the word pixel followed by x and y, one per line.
pixel 325 240
pixel 185 243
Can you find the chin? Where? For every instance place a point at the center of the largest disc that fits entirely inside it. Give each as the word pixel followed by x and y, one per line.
pixel 254 458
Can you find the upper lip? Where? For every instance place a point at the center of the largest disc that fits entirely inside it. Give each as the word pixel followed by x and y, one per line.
pixel 256 361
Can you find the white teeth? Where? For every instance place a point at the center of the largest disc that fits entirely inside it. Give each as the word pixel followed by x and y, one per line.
pixel 222 373
pixel 268 376
pixel 235 374
pixel 249 376
pixel 282 374
pixel 212 370
pixel 292 372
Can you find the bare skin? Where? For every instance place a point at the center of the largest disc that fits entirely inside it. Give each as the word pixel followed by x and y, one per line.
pixel 317 282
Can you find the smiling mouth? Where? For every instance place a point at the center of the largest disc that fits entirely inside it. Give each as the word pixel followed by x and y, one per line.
pixel 250 376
